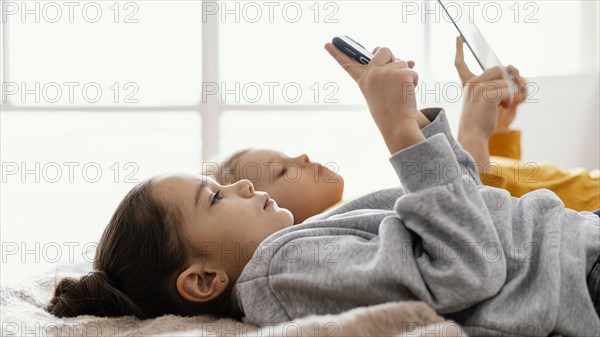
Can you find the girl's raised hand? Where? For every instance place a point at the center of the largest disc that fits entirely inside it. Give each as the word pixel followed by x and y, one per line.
pixel 388 86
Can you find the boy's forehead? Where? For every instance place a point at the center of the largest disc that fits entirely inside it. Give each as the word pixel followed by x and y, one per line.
pixel 261 154
pixel 246 157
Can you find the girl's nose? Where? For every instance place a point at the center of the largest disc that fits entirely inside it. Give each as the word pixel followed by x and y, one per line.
pixel 246 188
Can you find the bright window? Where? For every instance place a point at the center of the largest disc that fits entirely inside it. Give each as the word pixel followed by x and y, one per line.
pixel 167 84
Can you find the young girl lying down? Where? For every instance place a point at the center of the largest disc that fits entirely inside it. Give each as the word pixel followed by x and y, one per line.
pixel 184 244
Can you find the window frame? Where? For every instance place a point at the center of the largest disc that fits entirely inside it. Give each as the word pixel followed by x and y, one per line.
pixel 212 109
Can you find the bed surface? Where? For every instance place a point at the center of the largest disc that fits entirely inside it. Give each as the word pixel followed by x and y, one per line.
pixel 23 314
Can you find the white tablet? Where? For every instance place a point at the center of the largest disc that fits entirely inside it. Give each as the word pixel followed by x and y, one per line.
pixel 478 45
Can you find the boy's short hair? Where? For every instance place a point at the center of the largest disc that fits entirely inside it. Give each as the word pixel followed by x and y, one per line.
pixel 226 172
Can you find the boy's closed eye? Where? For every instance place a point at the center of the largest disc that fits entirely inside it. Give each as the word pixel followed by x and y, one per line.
pixel 283 171
pixel 215 198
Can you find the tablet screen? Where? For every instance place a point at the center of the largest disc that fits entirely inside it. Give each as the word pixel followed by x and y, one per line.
pixel 477 44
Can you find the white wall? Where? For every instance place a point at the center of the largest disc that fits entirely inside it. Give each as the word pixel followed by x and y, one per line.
pixel 564 126
pixel 560 122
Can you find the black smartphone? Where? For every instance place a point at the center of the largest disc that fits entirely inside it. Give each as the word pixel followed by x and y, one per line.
pixel 353 49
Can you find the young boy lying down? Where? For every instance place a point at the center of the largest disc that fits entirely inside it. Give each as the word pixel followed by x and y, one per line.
pixel 184 244
pixel 303 187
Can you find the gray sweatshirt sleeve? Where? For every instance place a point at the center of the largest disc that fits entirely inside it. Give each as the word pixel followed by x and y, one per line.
pixel 458 251
pixel 437 245
pixel 385 199
pixel 439 124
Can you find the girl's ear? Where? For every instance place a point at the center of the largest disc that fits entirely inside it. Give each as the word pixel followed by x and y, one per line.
pixel 200 284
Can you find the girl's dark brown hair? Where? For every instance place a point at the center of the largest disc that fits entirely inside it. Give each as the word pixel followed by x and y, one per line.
pixel 137 262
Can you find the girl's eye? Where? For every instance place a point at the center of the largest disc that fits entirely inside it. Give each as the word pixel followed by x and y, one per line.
pixel 216 198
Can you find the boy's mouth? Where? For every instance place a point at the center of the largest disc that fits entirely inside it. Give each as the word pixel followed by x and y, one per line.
pixel 322 169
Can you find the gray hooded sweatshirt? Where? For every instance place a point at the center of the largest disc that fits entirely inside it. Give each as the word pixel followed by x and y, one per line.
pixel 497 265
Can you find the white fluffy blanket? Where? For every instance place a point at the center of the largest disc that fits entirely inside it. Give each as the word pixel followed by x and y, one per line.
pixel 23 314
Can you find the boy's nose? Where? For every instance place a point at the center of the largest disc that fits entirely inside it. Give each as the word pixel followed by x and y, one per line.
pixel 303 160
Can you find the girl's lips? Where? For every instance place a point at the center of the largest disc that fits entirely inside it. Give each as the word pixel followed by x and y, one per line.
pixel 268 198
pixel 269 203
